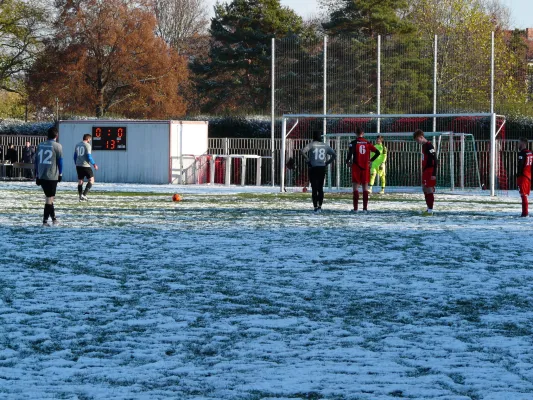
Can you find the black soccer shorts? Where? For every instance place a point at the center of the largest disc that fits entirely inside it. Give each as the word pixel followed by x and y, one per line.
pixel 49 187
pixel 84 172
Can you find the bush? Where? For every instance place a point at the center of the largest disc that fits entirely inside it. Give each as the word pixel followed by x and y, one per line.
pixel 21 128
pixel 259 127
pixel 237 127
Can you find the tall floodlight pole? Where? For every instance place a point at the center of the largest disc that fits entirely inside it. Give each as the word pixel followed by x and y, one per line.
pixel 282 155
pixel 272 110
pixel 492 75
pixel 435 49
pixel 492 125
pixel 325 105
pixel 379 85
pixel 325 94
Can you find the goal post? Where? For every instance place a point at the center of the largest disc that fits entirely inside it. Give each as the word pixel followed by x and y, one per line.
pixel 459 162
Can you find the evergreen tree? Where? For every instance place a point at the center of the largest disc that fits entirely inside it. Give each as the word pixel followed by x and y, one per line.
pixel 368 18
pixel 236 75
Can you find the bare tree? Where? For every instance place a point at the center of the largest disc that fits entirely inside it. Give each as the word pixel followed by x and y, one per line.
pixel 499 12
pixel 180 20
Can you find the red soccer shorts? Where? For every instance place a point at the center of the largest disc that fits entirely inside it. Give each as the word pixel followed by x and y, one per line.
pixel 426 178
pixel 359 175
pixel 524 185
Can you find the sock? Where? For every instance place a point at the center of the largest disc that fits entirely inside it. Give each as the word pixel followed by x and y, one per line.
pixel 525 204
pixel 355 199
pixel 431 200
pixel 52 211
pixel 46 213
pixel 365 199
pixel 87 188
pixel 80 189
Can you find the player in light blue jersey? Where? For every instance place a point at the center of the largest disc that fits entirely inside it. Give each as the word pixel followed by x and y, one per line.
pixel 83 160
pixel 316 155
pixel 48 172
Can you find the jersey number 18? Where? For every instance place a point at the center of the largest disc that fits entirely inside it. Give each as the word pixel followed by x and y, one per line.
pixel 320 154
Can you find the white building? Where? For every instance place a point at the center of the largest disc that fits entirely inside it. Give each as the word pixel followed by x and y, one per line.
pixel 152 152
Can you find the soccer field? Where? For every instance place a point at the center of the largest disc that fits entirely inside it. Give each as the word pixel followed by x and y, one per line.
pixel 250 295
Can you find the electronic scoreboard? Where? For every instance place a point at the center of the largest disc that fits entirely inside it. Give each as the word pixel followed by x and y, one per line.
pixel 109 138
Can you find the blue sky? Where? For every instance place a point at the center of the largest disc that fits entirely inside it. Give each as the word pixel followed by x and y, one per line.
pixel 521 10
pixel 521 13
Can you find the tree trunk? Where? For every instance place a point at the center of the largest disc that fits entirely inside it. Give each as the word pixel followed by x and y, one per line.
pixel 100 103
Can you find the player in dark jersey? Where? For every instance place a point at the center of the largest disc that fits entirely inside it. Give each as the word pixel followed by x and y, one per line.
pixel 358 157
pixel 429 170
pixel 48 172
pixel 316 155
pixel 523 174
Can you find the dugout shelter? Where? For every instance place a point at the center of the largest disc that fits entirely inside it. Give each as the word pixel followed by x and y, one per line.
pixel 149 152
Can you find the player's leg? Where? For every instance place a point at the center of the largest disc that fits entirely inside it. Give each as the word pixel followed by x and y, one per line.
pixel 383 179
pixel 49 189
pixel 365 193
pixel 47 207
pixel 88 186
pixel 89 183
pixel 355 186
pixel 373 173
pixel 52 210
pixel 321 176
pixel 430 198
pixel 428 187
pixel 80 187
pixel 314 183
pixel 524 187
pixel 525 206
pixel 81 175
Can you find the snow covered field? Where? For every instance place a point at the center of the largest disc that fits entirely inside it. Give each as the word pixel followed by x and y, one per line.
pixel 249 295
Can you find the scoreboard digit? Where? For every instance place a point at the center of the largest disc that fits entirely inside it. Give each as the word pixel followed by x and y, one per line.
pixel 109 138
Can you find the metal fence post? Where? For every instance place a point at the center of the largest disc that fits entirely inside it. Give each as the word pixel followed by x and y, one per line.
pixel 272 107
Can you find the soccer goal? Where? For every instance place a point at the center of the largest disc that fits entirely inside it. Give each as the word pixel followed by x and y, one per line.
pixel 462 165
pixel 457 152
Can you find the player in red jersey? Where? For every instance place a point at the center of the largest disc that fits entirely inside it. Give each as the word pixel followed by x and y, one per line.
pixel 359 158
pixel 523 175
pixel 429 169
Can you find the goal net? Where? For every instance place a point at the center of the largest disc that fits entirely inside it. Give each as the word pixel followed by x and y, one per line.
pixel 457 154
pixel 465 146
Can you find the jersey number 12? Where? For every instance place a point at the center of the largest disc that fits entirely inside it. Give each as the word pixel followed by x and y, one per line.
pixel 47 154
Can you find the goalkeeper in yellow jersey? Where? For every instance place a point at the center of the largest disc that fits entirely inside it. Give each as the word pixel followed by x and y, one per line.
pixel 378 165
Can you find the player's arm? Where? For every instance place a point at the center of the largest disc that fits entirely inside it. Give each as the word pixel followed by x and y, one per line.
pixel 350 153
pixel 305 152
pixel 375 151
pixel 60 165
pixel 91 160
pixel 521 163
pixel 59 160
pixel 384 154
pixel 75 156
pixel 332 154
pixel 432 158
pixel 36 167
